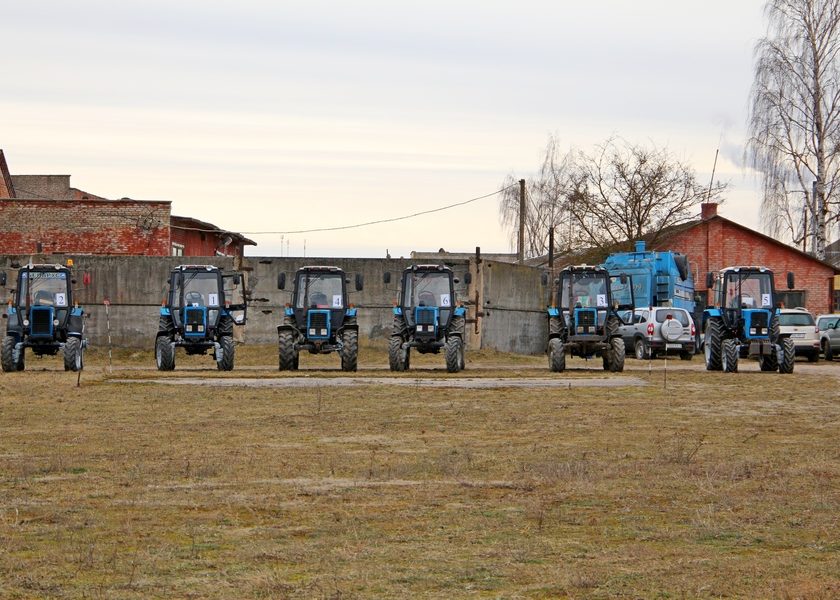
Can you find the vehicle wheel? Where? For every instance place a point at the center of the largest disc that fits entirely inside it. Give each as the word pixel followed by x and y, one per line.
pixel 788 356
pixel 617 355
pixel 8 355
pixel 73 359
pixel 712 345
pixel 731 351
pixel 286 350
pixel 814 356
pixel 686 355
pixel 453 351
pixel 641 349
pixel 349 350
pixel 397 357
pixel 827 353
pixel 228 352
pixel 164 354
pixel 556 355
pixel 769 362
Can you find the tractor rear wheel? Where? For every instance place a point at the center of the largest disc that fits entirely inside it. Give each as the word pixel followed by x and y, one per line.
pixel 617 354
pixel 349 350
pixel 397 357
pixel 556 355
pixel 712 345
pixel 454 353
pixel 731 351
pixel 788 356
pixel 8 355
pixel 73 355
pixel 769 362
pixel 288 354
pixel 164 354
pixel 228 350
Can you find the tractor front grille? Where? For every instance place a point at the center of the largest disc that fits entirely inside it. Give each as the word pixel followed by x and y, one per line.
pixel 318 324
pixel 41 321
pixel 757 323
pixel 425 316
pixel 585 321
pixel 195 321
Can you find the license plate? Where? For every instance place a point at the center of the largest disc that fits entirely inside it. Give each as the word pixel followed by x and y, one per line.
pixel 673 346
pixel 797 335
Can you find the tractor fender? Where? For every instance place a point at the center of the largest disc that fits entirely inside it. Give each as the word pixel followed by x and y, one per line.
pixel 553 311
pixel 461 311
pixel 289 311
pixel 286 327
pixel 165 312
pixel 711 312
pixel 75 325
pixel 350 312
pixel 397 310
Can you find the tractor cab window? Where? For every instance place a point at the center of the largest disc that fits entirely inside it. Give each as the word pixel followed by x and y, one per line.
pixel 749 290
pixel 43 288
pixel 584 290
pixel 428 289
pixel 319 290
pixel 201 288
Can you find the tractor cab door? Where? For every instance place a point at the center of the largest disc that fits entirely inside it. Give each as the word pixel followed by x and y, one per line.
pixel 623 299
pixel 234 293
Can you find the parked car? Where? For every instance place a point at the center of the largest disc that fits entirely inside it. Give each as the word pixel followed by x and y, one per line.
pixel 829 335
pixel 660 330
pixel 800 324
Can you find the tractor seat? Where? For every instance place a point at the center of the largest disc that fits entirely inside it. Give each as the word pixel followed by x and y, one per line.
pixel 193 298
pixel 426 299
pixel 43 298
pixel 319 300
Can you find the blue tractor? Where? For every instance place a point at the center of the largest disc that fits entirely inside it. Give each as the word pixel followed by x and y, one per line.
pixel 585 316
pixel 198 315
pixel 320 319
pixel 43 317
pixel 744 320
pixel 427 317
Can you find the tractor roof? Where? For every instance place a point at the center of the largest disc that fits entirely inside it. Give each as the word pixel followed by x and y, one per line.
pixel 441 268
pixel 586 269
pixel 44 267
pixel 746 268
pixel 195 268
pixel 320 269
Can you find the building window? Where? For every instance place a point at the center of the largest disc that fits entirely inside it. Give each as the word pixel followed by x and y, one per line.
pixel 791 299
pixel 177 249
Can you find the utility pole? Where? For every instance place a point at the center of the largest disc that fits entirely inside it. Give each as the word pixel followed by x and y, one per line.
pixel 520 253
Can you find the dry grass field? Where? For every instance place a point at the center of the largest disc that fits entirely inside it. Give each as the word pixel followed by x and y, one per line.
pixel 703 485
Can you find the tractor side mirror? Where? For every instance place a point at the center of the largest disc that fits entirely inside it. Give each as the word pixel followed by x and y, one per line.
pixel 237 279
pixel 281 281
pixel 544 278
pixel 73 281
pixel 710 280
pixel 360 282
pixel 790 280
pixel 386 277
pixel 623 278
pixel 468 278
pixel 3 278
pixel 456 280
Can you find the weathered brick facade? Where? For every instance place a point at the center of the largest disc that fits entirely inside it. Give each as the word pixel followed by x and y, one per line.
pixel 715 242
pixel 125 227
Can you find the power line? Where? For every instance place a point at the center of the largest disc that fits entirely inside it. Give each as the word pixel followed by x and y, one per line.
pixel 357 225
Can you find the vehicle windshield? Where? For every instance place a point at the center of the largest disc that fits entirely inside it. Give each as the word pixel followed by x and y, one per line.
pixel 588 290
pixel 43 288
pixel 427 289
pixel 749 290
pixel 319 290
pixel 201 288
pixel 796 319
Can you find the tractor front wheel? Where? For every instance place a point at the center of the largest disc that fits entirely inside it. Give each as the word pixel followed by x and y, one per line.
pixel 349 350
pixel 731 352
pixel 73 355
pixel 288 354
pixel 397 357
pixel 8 355
pixel 164 354
pixel 712 345
pixel 617 354
pixel 228 350
pixel 788 356
pixel 556 355
pixel 454 352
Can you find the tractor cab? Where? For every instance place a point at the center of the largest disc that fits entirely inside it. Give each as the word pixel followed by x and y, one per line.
pixel 746 297
pixel 426 300
pixel 42 316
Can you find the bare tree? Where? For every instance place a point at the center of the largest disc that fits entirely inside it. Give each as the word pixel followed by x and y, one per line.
pixel 627 191
pixel 795 119
pixel 546 202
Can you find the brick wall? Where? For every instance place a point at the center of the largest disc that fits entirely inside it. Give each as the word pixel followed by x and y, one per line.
pixel 84 227
pixel 716 243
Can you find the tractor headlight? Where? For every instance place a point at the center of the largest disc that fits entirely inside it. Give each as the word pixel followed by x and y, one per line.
pixel 419 328
pixel 200 328
pixel 312 331
pixel 323 332
pixel 26 322
pixel 55 322
pixel 752 331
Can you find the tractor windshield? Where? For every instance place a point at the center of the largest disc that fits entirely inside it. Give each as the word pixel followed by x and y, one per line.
pixel 749 290
pixel 320 290
pixel 201 288
pixel 43 288
pixel 584 290
pixel 427 289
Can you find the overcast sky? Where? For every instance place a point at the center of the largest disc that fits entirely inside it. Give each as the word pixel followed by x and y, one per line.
pixel 277 116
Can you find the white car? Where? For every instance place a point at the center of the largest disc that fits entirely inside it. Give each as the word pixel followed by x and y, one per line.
pixel 659 330
pixel 800 324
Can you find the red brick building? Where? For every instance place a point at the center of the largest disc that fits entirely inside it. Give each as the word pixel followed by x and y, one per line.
pixel 714 242
pixel 43 214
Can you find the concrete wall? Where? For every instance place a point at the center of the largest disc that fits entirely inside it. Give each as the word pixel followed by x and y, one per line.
pixel 512 300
